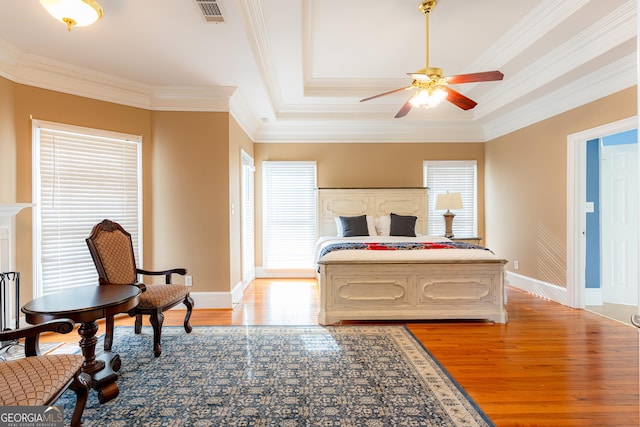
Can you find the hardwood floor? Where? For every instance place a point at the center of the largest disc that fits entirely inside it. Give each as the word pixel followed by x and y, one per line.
pixel 549 366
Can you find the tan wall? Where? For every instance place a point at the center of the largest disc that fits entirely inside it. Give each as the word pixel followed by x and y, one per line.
pixel 367 165
pixel 190 170
pixel 185 178
pixel 526 187
pixel 7 143
pixel 62 108
pixel 191 177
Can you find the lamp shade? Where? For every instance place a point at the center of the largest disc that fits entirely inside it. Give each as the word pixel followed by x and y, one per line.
pixel 74 12
pixel 449 201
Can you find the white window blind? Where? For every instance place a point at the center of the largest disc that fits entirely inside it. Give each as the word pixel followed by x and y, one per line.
pixel 248 226
pixel 289 214
pixel 82 176
pixel 453 176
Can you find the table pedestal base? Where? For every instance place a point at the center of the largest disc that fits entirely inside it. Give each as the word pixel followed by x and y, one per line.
pixel 104 381
pixel 103 368
pixel 85 305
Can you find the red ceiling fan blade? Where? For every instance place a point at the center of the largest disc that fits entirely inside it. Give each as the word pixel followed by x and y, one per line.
pixel 406 107
pixel 386 93
pixel 459 99
pixel 486 76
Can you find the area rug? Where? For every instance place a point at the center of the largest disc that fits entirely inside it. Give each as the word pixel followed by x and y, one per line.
pixel 280 376
pixel 16 351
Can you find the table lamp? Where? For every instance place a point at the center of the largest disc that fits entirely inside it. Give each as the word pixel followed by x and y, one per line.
pixel 448 201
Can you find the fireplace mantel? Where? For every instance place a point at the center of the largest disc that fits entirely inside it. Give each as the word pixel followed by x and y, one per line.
pixel 12 209
pixel 8 211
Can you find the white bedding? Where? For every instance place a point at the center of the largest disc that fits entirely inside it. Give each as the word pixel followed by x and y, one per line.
pixel 428 255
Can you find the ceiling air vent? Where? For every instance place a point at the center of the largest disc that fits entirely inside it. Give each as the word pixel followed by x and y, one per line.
pixel 210 10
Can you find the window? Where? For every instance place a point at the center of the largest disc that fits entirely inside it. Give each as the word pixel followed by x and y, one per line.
pixel 457 176
pixel 289 214
pixel 81 176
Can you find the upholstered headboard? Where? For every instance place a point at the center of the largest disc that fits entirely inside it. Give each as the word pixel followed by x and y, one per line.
pixel 334 202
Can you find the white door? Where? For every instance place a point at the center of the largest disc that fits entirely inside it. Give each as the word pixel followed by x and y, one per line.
pixel 619 224
pixel 247 221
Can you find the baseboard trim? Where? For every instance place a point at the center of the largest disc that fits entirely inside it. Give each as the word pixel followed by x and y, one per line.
pixel 537 287
pixel 237 292
pixel 210 300
pixel 268 273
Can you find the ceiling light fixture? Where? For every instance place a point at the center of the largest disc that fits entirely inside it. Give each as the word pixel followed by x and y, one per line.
pixel 432 88
pixel 78 13
pixel 429 98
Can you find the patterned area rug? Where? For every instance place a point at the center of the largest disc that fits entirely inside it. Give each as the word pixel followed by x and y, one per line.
pixel 16 351
pixel 280 376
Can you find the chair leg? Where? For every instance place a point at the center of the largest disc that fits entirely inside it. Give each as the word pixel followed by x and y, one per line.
pixel 108 336
pixel 188 301
pixel 80 386
pixel 156 321
pixel 137 328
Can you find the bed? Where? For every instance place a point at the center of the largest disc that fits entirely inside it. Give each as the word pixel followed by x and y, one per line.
pixel 368 278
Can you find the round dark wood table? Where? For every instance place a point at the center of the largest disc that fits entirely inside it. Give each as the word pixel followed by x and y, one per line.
pixel 85 305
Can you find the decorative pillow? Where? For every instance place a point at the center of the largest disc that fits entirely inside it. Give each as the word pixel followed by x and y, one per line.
pixel 371 226
pixel 403 225
pixel 354 226
pixel 383 225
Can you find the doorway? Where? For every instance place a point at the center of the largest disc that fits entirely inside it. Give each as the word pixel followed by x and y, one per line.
pixel 602 233
pixel 247 209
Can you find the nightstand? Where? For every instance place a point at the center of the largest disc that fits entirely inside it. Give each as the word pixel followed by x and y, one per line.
pixel 472 240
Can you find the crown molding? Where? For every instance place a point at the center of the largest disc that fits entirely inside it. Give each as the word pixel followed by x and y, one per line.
pixel 526 32
pixel 612 30
pixel 258 38
pixel 191 98
pixel 9 58
pixel 37 71
pixel 367 131
pixel 622 74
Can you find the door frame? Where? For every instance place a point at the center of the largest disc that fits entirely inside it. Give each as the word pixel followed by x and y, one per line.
pixel 576 201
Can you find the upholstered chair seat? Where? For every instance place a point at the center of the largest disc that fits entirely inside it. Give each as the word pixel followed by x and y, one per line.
pixel 112 252
pixel 37 380
pixel 161 295
pixel 34 381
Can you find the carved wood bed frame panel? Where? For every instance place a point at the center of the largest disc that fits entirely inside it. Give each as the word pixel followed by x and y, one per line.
pixel 402 290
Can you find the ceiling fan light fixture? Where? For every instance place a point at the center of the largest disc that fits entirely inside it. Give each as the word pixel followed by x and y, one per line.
pixel 432 85
pixel 78 13
pixel 428 98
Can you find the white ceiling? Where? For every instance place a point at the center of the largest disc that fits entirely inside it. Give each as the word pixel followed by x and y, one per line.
pixel 295 70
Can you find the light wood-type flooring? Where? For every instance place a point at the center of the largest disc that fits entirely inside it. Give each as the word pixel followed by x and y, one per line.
pixel 549 366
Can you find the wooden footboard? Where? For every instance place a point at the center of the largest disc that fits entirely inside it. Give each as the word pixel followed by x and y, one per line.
pixel 412 291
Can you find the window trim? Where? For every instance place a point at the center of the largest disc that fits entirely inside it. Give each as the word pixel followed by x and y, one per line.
pixel 37 125
pixel 433 192
pixel 293 271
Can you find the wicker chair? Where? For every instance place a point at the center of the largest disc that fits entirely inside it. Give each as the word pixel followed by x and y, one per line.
pixel 37 380
pixel 112 252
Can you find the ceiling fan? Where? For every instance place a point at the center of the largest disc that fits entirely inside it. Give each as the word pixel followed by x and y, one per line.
pixel 432 83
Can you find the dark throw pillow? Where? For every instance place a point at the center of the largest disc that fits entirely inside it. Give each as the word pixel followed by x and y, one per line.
pixel 353 226
pixel 403 225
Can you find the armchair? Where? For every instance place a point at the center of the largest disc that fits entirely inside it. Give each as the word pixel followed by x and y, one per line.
pixel 38 380
pixel 112 252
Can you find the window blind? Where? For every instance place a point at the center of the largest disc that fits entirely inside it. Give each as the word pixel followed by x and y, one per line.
pixel 457 176
pixel 82 177
pixel 289 214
